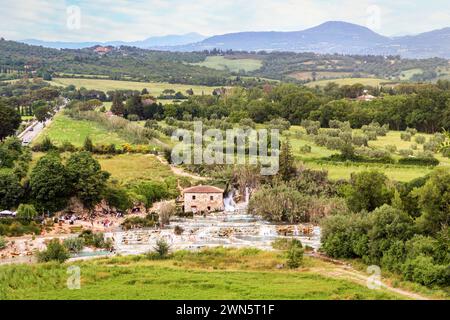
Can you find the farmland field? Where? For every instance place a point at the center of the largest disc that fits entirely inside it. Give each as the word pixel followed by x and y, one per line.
pixel 233 65
pixel 155 88
pixel 349 81
pixel 210 274
pixel 320 75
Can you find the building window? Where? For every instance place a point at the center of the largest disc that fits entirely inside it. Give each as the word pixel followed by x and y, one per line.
pixel 193 197
pixel 211 198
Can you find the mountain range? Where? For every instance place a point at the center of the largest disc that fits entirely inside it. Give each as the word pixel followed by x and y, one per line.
pixel 170 40
pixel 329 37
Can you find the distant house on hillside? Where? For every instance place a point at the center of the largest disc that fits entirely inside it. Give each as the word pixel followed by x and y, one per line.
pixel 366 97
pixel 202 199
pixel 102 50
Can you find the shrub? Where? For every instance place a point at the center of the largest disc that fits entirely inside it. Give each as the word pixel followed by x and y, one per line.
pixel 419 161
pixel 45 146
pixel 360 140
pixel 391 148
pixel 411 131
pixel 431 145
pixel 371 135
pixel 420 139
pixel 74 245
pixel 294 257
pixel 178 230
pixel 305 149
pixel 422 270
pixel 405 152
pixel 133 117
pixel 161 250
pixel 3 243
pixel 26 212
pixel 413 146
pixel 55 252
pixel 88 145
pixel 166 210
pixel 406 136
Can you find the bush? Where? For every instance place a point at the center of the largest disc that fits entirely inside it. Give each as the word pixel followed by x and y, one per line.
pixel 305 149
pixel 133 117
pixel 26 212
pixel 431 145
pixel 74 245
pixel 3 243
pixel 161 250
pixel 360 140
pixel 66 146
pixel 413 146
pixel 406 136
pixel 411 131
pixel 422 270
pixel 391 148
pixel 178 230
pixel 420 139
pixel 294 257
pixel 406 152
pixel 419 161
pixel 55 252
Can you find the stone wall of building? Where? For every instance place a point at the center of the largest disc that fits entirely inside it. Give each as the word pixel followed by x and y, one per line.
pixel 203 202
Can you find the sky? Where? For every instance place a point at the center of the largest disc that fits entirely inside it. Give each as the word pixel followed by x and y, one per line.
pixel 126 20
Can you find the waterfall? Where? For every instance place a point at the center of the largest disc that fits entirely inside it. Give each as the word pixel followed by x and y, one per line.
pixel 228 201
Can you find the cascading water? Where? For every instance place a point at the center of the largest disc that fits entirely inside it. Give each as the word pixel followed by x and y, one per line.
pixel 228 201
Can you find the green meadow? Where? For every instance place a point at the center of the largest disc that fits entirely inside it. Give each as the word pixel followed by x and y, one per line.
pixel 233 65
pixel 227 274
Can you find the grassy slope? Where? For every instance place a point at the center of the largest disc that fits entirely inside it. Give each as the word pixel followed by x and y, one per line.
pixel 344 170
pixel 234 65
pixel 132 167
pixel 64 128
pixel 212 274
pixel 155 88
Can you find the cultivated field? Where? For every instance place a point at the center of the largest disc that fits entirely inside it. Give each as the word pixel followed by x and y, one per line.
pixel 155 88
pixel 233 65
pixel 349 81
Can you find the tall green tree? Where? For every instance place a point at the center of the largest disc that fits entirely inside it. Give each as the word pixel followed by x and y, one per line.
pixel 9 120
pixel 86 178
pixel 10 190
pixel 48 183
pixel 287 167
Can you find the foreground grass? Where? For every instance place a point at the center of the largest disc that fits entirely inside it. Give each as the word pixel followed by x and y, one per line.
pixel 210 274
pixel 155 88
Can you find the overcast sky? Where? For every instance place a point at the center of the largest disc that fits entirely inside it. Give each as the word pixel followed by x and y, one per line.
pixel 105 20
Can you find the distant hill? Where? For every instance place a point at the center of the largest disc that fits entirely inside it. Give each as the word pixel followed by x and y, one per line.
pixel 152 42
pixel 328 38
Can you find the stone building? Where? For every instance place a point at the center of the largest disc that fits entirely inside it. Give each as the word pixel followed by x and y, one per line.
pixel 203 199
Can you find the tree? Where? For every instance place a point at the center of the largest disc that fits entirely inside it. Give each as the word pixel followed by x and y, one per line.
pixel 55 252
pixel 368 190
pixel 9 120
pixel 117 105
pixel 48 183
pixel 10 190
pixel 287 168
pixel 434 201
pixel 43 113
pixel 86 178
pixel 26 212
pixel 88 145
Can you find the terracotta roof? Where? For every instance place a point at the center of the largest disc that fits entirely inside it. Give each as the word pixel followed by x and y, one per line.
pixel 203 189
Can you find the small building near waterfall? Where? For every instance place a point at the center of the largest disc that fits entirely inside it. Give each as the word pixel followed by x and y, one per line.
pixel 200 199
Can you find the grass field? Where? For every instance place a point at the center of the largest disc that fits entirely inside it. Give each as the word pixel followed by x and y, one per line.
pixel 155 88
pixel 320 75
pixel 233 65
pixel 64 129
pixel 348 81
pixel 134 167
pixel 297 137
pixel 407 74
pixel 211 274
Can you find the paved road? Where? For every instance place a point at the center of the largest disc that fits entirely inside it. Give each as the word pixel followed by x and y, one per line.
pixel 32 131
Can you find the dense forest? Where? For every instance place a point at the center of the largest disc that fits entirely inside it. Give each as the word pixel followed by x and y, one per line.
pixel 130 63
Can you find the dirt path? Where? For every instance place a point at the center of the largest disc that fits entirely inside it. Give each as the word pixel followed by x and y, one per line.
pixel 180 171
pixel 345 271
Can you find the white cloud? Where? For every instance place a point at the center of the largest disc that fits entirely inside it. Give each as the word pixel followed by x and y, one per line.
pixel 104 20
